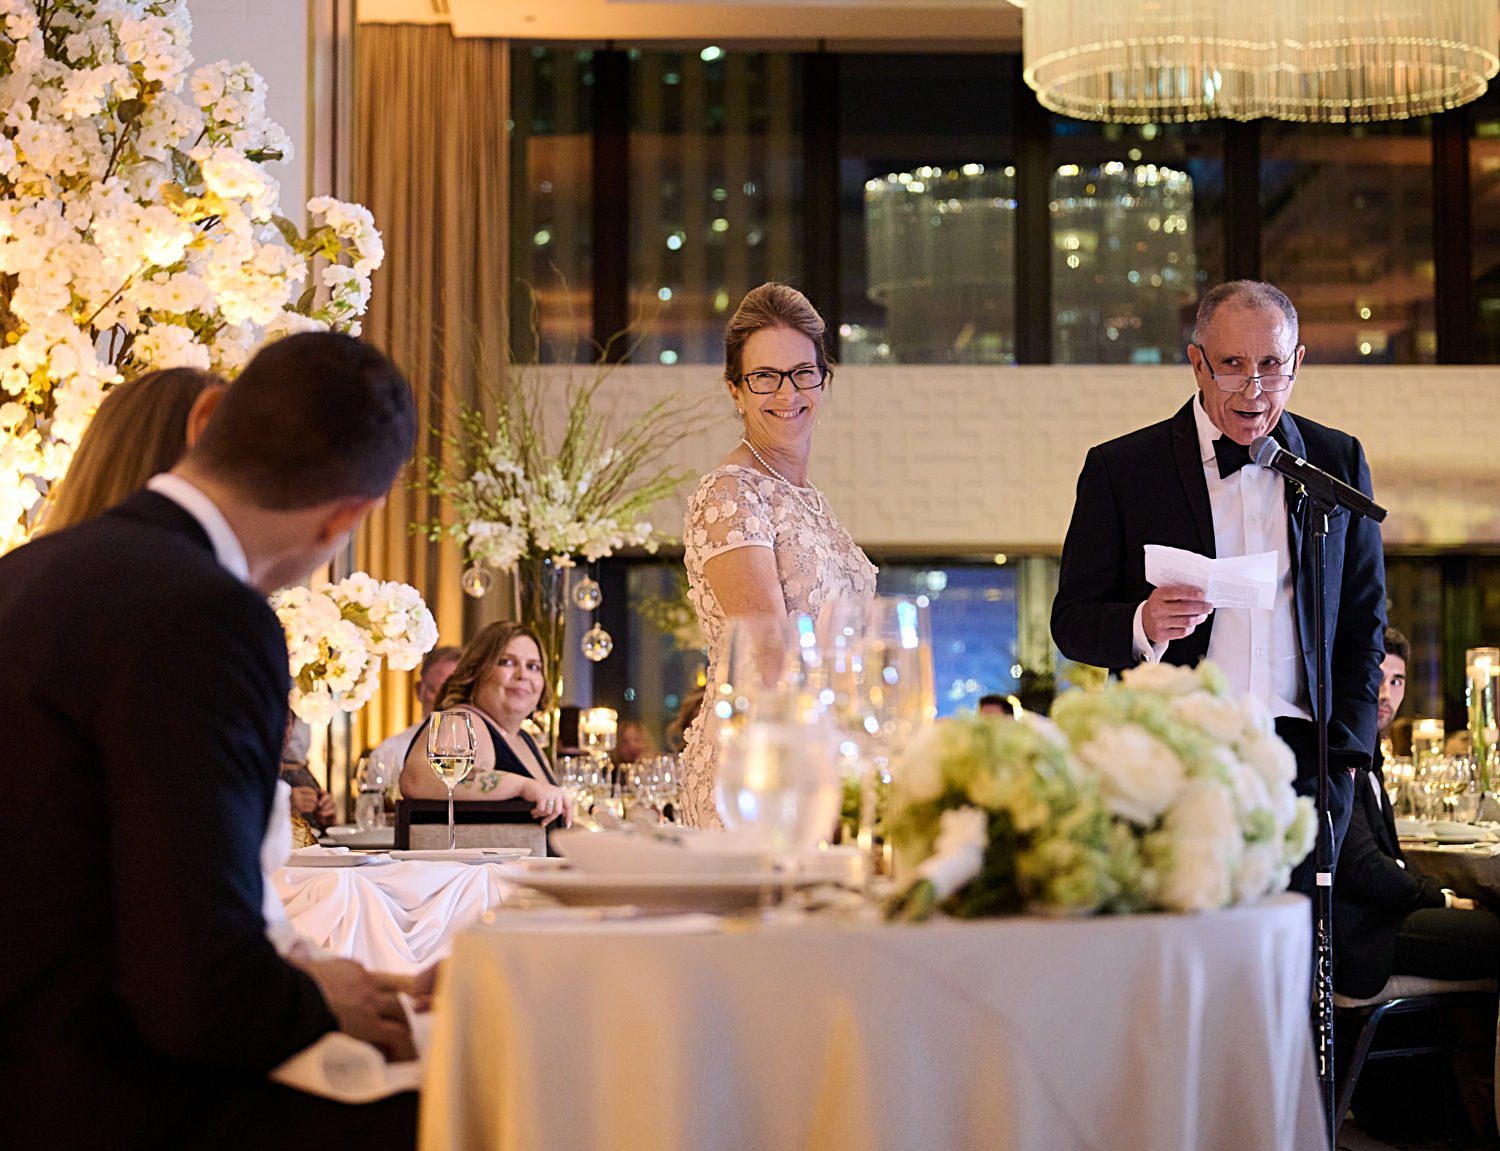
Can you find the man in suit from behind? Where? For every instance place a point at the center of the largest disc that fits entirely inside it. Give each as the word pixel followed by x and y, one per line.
pixel 1388 918
pixel 145 680
pixel 1184 482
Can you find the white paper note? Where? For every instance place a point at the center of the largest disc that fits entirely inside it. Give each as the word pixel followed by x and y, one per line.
pixel 1229 581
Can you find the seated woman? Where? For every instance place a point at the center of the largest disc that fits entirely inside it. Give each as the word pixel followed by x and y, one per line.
pixel 501 678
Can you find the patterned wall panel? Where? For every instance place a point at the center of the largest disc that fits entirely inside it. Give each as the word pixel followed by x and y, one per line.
pixel 973 459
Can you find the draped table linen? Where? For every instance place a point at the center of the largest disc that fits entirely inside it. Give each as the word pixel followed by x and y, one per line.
pixel 395 917
pixel 1144 1032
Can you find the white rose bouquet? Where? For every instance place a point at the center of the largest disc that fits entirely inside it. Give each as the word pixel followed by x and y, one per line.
pixel 998 817
pixel 1198 773
pixel 1164 791
pixel 139 225
pixel 336 637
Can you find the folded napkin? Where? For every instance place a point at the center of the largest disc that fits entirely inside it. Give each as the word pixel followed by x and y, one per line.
pixel 668 853
pixel 348 1070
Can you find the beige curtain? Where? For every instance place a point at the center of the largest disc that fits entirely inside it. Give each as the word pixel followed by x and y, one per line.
pixel 431 164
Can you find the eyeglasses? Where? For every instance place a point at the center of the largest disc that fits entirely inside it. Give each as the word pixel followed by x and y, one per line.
pixel 1230 382
pixel 767 381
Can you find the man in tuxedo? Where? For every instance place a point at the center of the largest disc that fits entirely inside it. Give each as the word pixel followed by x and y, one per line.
pixel 1184 482
pixel 145 680
pixel 1387 916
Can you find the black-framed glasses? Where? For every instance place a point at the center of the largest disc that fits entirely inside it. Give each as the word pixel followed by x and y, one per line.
pixel 767 381
pixel 1232 382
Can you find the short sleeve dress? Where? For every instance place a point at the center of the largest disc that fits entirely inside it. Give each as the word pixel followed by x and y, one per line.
pixel 816 561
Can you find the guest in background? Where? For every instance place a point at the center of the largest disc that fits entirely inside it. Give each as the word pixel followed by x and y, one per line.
pixel 1182 482
pixel 145 680
pixel 389 754
pixel 142 428
pixel 308 797
pixel 1388 918
pixel 993 705
pixel 632 742
pixel 687 711
pixel 759 539
pixel 501 679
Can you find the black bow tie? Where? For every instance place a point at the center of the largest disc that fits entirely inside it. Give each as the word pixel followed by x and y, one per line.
pixel 1231 456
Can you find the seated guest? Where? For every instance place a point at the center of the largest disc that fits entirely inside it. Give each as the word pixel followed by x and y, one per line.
pixel 632 742
pixel 308 798
pixel 437 666
pixel 142 428
pixel 145 680
pixel 501 679
pixel 1388 918
pixel 993 705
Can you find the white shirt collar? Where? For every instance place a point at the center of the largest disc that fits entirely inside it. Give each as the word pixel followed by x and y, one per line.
pixel 227 548
pixel 1207 431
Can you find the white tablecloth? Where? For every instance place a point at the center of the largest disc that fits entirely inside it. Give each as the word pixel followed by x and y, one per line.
pixel 395 917
pixel 1152 1033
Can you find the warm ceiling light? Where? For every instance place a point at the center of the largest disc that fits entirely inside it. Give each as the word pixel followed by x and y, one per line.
pixel 1139 61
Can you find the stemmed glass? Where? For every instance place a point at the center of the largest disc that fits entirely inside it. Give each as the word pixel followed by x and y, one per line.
pixel 450 751
pixel 876 683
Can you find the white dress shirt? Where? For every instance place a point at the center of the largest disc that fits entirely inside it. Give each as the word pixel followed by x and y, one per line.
pixel 1259 651
pixel 227 547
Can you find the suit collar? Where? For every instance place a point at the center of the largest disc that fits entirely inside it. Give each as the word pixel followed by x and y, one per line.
pixel 1187 452
pixel 149 507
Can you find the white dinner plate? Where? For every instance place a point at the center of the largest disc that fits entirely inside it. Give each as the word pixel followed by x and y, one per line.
pixel 466 855
pixel 720 893
pixel 334 859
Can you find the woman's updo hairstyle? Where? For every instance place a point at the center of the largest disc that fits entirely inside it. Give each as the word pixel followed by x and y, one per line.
pixel 771 305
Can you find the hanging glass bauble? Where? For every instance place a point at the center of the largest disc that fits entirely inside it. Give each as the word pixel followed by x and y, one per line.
pixel 476 580
pixel 597 644
pixel 587 593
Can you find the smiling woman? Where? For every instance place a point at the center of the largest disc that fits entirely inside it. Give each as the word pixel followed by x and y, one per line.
pixel 759 539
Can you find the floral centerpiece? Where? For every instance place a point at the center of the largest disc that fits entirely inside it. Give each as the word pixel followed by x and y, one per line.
pixel 1166 791
pixel 336 637
pixel 139 226
pixel 531 498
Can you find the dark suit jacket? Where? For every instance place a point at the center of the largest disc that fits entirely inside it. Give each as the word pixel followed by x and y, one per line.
pixel 1372 894
pixel 145 696
pixel 1147 487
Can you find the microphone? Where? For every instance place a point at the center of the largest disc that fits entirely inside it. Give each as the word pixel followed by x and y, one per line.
pixel 1326 489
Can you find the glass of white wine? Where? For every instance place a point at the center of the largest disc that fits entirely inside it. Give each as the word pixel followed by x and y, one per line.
pixel 450 751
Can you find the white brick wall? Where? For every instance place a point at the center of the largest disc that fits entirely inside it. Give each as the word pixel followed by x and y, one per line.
pixel 976 458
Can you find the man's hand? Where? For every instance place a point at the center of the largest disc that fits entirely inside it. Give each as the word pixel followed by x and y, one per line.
pixel 314 801
pixel 365 1004
pixel 1173 613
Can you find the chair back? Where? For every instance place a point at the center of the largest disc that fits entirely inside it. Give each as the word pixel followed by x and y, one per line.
pixel 422 824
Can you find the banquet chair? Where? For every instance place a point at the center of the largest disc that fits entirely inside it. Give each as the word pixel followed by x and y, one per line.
pixel 422 824
pixel 1401 995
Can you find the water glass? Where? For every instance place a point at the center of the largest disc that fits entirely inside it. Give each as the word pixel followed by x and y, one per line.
pixel 779 783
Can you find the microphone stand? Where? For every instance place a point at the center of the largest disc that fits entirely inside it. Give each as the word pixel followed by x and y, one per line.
pixel 1315 517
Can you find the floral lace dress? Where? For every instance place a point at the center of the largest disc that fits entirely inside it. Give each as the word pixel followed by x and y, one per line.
pixel 816 561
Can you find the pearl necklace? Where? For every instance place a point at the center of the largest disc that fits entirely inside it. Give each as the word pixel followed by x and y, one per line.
pixel 816 508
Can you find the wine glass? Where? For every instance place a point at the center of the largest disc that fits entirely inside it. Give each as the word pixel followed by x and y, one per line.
pixel 450 751
pixel 767 672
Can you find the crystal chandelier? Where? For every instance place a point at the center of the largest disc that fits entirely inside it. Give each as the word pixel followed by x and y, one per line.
pixel 1335 61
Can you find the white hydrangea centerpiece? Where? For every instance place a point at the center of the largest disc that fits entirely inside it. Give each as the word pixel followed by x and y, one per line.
pixel 1167 791
pixel 337 636
pixel 139 225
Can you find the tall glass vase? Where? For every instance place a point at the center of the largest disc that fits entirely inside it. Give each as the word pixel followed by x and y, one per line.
pixel 1482 676
pixel 541 601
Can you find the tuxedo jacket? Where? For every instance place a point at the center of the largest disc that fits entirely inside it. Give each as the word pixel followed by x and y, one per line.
pixel 1148 487
pixel 145 694
pixel 1372 894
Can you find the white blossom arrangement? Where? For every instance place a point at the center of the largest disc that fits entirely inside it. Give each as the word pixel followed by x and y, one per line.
pixel 520 491
pixel 139 227
pixel 337 635
pixel 1166 791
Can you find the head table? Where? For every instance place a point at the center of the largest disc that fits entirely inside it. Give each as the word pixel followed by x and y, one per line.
pixel 1152 1033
